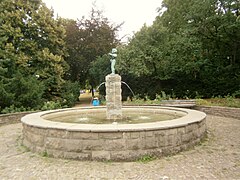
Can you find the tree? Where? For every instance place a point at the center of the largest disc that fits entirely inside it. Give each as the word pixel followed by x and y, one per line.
pixel 193 46
pixel 31 46
pixel 87 39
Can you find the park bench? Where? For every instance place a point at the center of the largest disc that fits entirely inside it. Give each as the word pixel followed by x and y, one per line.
pixel 187 103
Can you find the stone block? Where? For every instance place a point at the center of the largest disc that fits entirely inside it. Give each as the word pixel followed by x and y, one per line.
pixel 100 155
pixel 55 143
pixel 149 133
pixel 137 154
pixel 38 131
pixel 134 144
pixel 196 134
pixel 174 140
pixel 55 153
pixel 83 135
pixel 79 156
pixel 134 135
pixel 57 133
pixel 160 133
pixel 162 142
pixel 171 140
pixel 73 145
pixel 35 139
pixel 171 132
pixel 126 135
pixel 93 145
pixel 110 99
pixel 181 131
pixel 120 155
pixel 115 145
pixel 113 135
pixel 187 137
pixel 112 78
pixel 191 127
pixel 150 143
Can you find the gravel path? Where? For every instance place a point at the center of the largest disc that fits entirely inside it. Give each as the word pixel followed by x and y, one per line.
pixel 216 158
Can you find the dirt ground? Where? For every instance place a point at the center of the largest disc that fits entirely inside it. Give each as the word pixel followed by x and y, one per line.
pixel 85 99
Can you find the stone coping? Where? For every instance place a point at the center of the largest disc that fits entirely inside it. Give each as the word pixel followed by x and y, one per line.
pixel 37 120
pixel 188 103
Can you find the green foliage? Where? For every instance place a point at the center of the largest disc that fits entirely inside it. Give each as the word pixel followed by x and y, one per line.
pixel 227 101
pixel 87 39
pixel 14 109
pixel 236 94
pixel 32 51
pixel 162 96
pixel 193 46
pixel 31 43
pixel 6 96
pixel 139 100
pixel 45 154
pixel 21 94
pixel 28 91
pixel 99 69
pixel 146 158
pixel 50 105
pixel 70 93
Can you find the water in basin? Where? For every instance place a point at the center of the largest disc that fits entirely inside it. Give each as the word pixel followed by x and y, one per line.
pixel 129 117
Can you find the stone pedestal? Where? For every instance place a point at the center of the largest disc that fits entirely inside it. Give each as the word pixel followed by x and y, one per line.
pixel 113 97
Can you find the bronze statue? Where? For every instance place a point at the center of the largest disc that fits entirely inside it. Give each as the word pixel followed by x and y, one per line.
pixel 113 55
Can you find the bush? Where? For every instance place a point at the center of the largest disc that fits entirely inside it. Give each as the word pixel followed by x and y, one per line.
pixel 50 105
pixel 28 92
pixel 6 97
pixel 236 94
pixel 13 109
pixel 20 94
pixel 70 93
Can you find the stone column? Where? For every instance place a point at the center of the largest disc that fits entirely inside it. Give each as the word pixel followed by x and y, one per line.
pixel 113 97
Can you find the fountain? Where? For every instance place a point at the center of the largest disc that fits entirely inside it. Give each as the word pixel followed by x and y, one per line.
pixel 120 137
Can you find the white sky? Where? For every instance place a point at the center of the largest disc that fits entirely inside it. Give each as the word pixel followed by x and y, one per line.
pixel 133 12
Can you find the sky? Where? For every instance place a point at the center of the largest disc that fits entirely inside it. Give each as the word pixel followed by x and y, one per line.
pixel 134 13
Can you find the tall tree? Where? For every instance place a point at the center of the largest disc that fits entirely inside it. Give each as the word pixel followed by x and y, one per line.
pixel 87 39
pixel 193 45
pixel 31 46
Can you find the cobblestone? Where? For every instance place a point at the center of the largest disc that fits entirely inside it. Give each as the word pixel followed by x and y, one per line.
pixel 216 158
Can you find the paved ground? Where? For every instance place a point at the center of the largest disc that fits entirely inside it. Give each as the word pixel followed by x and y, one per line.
pixel 216 158
pixel 85 99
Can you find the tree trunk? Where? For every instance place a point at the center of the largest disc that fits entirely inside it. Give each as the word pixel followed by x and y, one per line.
pixel 92 90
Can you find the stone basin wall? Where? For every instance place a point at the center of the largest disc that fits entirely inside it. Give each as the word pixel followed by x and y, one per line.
pixel 220 111
pixel 117 144
pixel 12 118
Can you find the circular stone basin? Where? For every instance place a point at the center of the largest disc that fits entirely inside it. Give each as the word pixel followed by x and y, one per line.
pixel 98 116
pixel 114 141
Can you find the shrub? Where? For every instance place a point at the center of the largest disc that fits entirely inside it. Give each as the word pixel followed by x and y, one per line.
pixel 21 94
pixel 70 93
pixel 13 109
pixel 50 105
pixel 28 92
pixel 6 97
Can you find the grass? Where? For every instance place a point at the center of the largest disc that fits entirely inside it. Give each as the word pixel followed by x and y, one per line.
pixel 44 154
pixel 146 158
pixel 227 101
pixel 218 101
